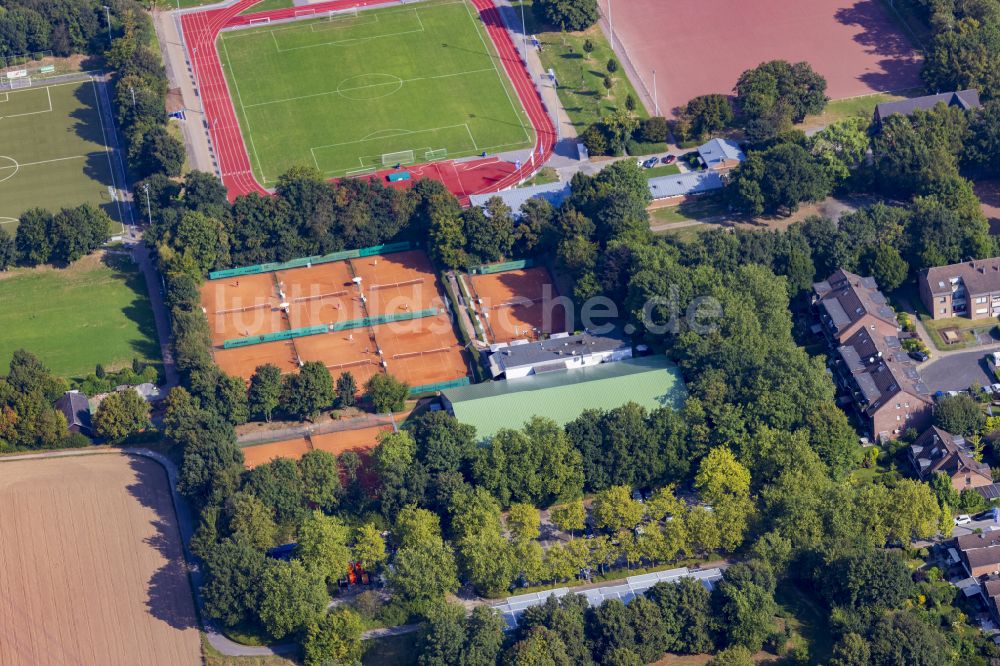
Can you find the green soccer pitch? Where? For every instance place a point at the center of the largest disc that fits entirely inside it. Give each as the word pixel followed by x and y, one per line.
pixel 53 151
pixel 351 92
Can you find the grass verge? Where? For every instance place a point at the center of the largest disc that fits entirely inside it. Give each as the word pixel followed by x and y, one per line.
pixel 95 311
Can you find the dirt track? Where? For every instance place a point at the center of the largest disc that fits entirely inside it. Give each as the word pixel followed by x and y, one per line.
pixel 92 568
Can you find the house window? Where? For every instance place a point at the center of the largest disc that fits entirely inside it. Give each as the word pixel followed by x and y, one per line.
pixel 906 404
pixel 944 310
pixel 980 299
pixel 944 299
pixel 898 417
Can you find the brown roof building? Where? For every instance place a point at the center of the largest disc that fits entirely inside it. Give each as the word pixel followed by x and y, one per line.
pixel 867 361
pixel 846 302
pixel 939 451
pixel 981 561
pixel 969 289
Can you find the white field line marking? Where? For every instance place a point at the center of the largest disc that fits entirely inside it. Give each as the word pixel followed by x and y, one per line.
pixel 107 148
pixel 339 22
pixel 490 52
pixel 35 113
pixel 471 138
pixel 422 131
pixel 244 31
pixel 246 118
pixel 351 40
pixel 56 159
pixel 373 85
pixel 6 98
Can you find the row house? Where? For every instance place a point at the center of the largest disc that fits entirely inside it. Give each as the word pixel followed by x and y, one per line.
pixel 969 289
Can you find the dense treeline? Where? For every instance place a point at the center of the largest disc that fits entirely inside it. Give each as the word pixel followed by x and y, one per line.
pixel 64 27
pixel 964 51
pixel 61 238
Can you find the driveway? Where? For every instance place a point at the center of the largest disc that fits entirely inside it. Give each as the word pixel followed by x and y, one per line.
pixel 984 525
pixel 957 371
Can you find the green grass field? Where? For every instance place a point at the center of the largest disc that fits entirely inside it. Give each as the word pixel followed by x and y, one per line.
pixel 341 92
pixel 53 151
pixel 95 311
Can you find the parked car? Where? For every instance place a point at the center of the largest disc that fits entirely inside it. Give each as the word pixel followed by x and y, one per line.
pixel 990 514
pixel 918 356
pixel 651 162
pixel 963 519
pixel 995 387
pixel 669 159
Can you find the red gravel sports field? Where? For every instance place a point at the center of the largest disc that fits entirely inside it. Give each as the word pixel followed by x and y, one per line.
pixel 698 48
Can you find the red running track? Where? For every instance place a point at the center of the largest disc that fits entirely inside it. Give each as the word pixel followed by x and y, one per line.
pixel 201 30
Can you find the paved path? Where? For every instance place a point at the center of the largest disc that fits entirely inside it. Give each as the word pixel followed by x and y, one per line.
pixel 143 258
pixel 179 75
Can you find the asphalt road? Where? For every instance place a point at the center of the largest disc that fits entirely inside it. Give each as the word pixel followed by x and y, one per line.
pixel 956 372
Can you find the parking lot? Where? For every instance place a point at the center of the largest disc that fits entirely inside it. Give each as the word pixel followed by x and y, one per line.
pixel 957 372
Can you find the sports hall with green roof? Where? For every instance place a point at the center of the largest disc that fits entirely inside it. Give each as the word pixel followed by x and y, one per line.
pixel 562 395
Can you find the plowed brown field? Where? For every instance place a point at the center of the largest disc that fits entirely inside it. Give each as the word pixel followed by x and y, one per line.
pixel 92 570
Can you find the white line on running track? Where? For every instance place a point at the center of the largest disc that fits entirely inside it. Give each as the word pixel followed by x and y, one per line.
pixel 500 77
pixel 374 85
pixel 246 118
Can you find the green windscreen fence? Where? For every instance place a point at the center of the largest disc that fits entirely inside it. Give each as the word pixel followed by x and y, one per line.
pixel 338 326
pixel 488 269
pixel 389 248
pixel 274 337
pixel 440 386
pixel 383 319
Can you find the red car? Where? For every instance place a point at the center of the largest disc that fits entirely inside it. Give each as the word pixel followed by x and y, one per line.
pixel 669 159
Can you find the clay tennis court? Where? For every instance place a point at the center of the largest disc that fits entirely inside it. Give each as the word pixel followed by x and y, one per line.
pixel 320 294
pixel 398 282
pixel 422 351
pixel 243 361
pixel 698 48
pixel 92 566
pixel 343 351
pixel 360 440
pixel 242 307
pixel 518 304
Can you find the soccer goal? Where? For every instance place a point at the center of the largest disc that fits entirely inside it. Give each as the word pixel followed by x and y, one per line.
pixel 434 155
pixel 16 83
pixel 350 12
pixel 400 157
pixel 260 21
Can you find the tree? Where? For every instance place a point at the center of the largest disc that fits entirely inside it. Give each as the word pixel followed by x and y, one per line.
pixel 346 389
pixel 265 391
pixel 320 479
pixel 424 572
pixel 523 522
pixel 279 485
pixel 537 465
pixel 336 639
pixel 211 460
pixel 386 393
pixel 569 517
pixel 735 655
pixel 903 638
pixel 32 240
pixel 612 66
pixel 841 147
pixel 870 580
pixel 322 546
pixel 484 634
pixel 851 650
pixel 572 15
pixel 231 586
pixel 745 606
pixel 443 639
pixel 654 130
pixel 292 598
pixel 121 414
pixel 251 521
pixel 651 633
pixel 777 93
pixel 161 153
pixel 308 392
pixel 8 251
pixel 369 547
pixel 959 415
pixel 608 628
pixel 541 647
pixel 703 116
pixel 780 177
pixel 615 510
pixel 963 57
pixel 687 615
